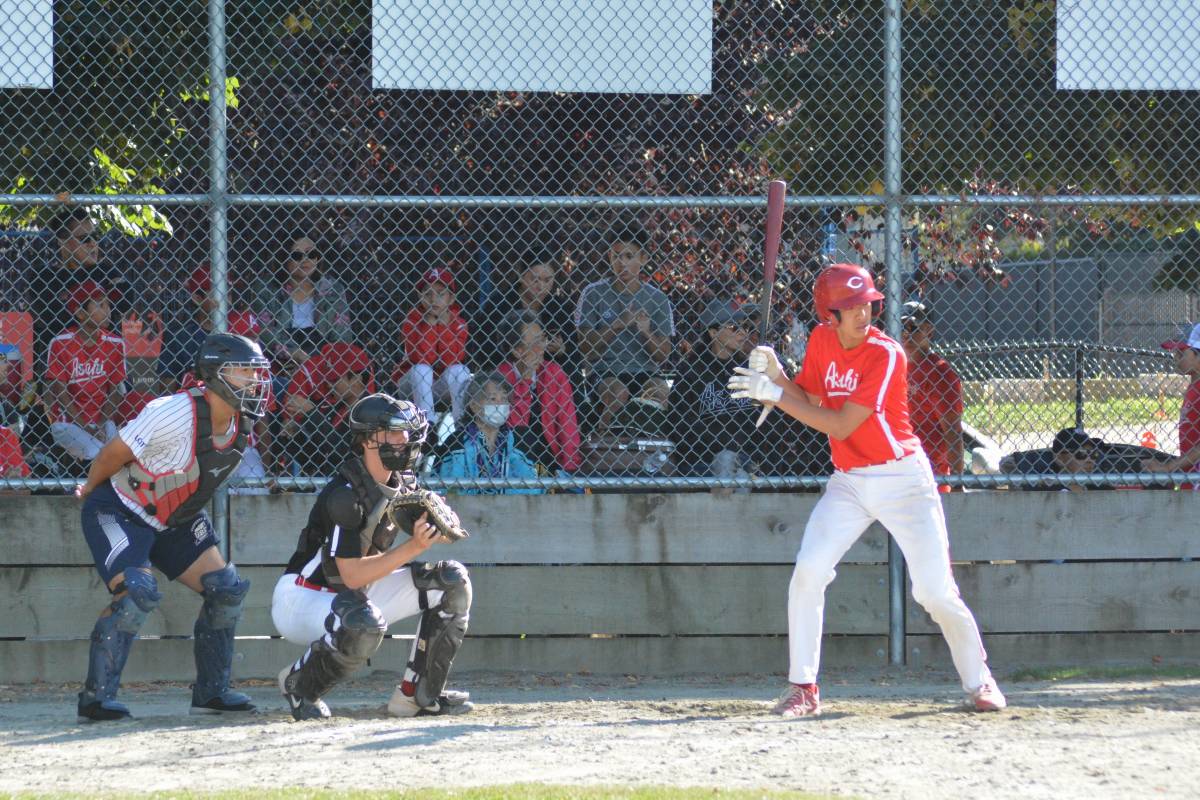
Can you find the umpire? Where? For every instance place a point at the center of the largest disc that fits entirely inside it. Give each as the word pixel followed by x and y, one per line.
pixel 346 582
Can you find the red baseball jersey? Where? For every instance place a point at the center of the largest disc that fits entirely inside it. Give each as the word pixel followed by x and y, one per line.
pixel 11 457
pixel 90 371
pixel 1189 421
pixel 875 375
pixel 934 392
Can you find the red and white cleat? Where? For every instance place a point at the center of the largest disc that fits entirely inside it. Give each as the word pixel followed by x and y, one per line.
pixel 799 701
pixel 988 697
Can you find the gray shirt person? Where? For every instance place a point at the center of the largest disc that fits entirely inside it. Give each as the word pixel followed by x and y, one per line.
pixel 600 306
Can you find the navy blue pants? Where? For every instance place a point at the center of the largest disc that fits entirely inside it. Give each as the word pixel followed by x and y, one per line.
pixel 119 539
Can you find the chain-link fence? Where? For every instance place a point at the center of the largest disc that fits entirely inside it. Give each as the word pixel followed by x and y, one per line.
pixel 547 229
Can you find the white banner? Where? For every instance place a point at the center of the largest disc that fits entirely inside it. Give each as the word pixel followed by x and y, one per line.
pixel 640 46
pixel 26 44
pixel 1128 45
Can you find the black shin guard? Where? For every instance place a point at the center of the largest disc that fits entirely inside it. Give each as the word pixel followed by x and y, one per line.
pixel 442 628
pixel 356 627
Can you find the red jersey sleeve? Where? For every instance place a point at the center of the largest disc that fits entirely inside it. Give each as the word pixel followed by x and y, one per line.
pixel 885 366
pixel 57 368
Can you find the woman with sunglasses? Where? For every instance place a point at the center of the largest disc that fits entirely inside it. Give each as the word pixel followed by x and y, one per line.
pixel 302 308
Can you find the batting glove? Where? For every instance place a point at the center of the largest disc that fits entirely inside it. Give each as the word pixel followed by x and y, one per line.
pixel 755 385
pixel 764 360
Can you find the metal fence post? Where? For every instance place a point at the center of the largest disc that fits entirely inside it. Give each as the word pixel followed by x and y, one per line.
pixel 218 213
pixel 895 280
pixel 1077 364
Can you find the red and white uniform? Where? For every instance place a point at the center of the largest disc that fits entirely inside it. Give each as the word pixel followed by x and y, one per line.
pixel 881 474
pixel 934 393
pixel 90 370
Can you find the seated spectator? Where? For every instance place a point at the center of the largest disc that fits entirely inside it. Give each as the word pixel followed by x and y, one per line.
pixel 435 347
pixel 534 292
pixel 85 375
pixel 486 446
pixel 625 325
pixel 12 459
pixel 543 407
pixel 315 425
pixel 186 331
pixel 10 385
pixel 1072 452
pixel 300 307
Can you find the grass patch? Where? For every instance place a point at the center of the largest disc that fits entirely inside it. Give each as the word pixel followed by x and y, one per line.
pixel 1104 673
pixel 520 791
pixel 1000 419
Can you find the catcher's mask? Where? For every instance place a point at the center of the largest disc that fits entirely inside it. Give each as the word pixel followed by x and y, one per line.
pixel 222 352
pixel 378 413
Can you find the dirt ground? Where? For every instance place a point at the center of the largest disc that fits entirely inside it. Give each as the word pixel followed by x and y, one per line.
pixel 898 735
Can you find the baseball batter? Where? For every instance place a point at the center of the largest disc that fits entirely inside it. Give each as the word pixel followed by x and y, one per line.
pixel 852 386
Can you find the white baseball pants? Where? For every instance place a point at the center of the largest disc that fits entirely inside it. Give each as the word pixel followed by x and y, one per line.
pixel 902 495
pixel 419 384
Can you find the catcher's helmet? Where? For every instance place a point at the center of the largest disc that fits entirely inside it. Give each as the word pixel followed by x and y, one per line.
pixel 222 352
pixel 382 412
pixel 842 286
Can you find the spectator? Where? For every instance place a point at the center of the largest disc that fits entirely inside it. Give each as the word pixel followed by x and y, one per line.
pixel 435 347
pixel 302 308
pixel 1073 452
pixel 10 385
pixel 187 331
pixel 935 397
pixel 318 401
pixel 625 325
pixel 85 373
pixel 1187 361
pixel 12 459
pixel 543 406
pixel 534 292
pixel 486 446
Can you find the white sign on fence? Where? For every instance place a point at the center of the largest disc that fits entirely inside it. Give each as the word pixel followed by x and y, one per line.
pixel 1128 45
pixel 26 44
pixel 640 46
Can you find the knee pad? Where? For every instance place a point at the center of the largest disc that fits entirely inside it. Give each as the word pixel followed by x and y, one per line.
pixel 224 593
pixel 452 580
pixel 141 597
pixel 356 625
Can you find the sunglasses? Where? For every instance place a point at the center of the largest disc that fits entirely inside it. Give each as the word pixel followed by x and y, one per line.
pixel 300 255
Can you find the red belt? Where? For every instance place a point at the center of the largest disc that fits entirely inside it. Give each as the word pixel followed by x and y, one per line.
pixel 314 586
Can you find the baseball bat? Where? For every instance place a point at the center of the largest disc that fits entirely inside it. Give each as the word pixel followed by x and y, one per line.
pixel 776 193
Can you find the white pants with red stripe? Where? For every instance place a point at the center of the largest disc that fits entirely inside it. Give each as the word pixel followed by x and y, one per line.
pixel 902 495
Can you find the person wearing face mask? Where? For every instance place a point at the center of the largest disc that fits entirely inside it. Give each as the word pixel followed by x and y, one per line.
pixel 486 446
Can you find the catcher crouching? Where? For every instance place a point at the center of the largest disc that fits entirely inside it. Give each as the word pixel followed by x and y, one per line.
pixel 348 580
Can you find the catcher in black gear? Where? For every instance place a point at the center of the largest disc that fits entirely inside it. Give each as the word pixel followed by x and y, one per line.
pixel 350 579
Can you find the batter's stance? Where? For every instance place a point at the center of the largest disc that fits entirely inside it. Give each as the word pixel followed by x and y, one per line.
pixel 853 387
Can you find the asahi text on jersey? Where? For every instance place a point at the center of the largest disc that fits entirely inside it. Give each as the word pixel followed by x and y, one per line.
pixel 837 383
pixel 87 370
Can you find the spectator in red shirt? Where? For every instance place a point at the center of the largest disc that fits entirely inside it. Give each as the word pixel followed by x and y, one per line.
pixel 1187 361
pixel 10 384
pixel 85 372
pixel 435 346
pixel 935 398
pixel 543 406
pixel 318 402
pixel 12 458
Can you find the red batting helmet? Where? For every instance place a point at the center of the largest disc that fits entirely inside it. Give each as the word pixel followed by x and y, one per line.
pixel 842 286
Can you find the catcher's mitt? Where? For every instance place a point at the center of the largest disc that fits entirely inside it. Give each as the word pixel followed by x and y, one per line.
pixel 439 513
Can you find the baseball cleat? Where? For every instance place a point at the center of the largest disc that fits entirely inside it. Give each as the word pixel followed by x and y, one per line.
pixel 101 710
pixel 449 703
pixel 301 709
pixel 799 701
pixel 987 697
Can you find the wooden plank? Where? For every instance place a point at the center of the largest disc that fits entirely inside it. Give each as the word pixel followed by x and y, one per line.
pixel 694 528
pixel 538 600
pixel 42 530
pixel 171 659
pixel 1103 596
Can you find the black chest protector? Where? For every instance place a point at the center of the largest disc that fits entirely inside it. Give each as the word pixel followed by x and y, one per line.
pixel 381 525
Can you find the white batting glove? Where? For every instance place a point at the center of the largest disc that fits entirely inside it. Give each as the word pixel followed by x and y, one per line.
pixel 764 360
pixel 755 385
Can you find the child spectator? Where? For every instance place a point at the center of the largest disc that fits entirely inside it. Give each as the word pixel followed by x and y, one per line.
pixel 76 259
pixel 1187 361
pixel 435 347
pixel 486 446
pixel 85 372
pixel 319 399
pixel 625 325
pixel 543 407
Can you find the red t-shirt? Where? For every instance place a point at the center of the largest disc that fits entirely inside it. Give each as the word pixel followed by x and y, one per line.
pixel 875 375
pixel 436 345
pixel 1189 421
pixel 10 453
pixel 90 371
pixel 934 392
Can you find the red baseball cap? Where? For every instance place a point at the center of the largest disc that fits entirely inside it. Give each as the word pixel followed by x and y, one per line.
pixel 244 323
pixel 1192 340
pixel 85 291
pixel 441 275
pixel 340 358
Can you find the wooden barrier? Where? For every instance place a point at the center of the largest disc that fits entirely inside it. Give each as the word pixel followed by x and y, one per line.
pixel 666 584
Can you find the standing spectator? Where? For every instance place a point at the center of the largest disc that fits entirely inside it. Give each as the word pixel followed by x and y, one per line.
pixel 625 325
pixel 301 308
pixel 543 405
pixel 935 396
pixel 1187 361
pixel 486 447
pixel 534 292
pixel 319 399
pixel 435 347
pixel 85 372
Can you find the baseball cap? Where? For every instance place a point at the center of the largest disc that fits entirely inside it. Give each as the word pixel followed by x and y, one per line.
pixel 85 291
pixel 244 323
pixel 1192 340
pixel 340 358
pixel 437 275
pixel 719 312
pixel 916 311
pixel 1073 439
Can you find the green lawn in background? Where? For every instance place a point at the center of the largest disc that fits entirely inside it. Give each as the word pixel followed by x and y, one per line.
pixel 1160 672
pixel 522 791
pixel 999 419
